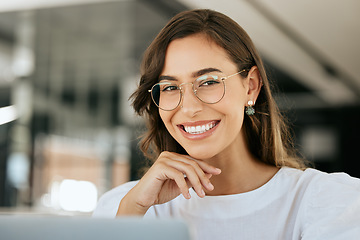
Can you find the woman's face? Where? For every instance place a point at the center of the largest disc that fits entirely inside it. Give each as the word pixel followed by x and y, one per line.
pixel 220 123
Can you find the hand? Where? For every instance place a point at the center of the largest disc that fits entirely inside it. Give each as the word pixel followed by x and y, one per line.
pixel 172 174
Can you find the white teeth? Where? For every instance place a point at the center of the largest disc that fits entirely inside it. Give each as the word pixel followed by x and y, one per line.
pixel 199 129
pixel 203 128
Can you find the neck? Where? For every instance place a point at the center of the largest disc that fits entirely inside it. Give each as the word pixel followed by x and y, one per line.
pixel 240 171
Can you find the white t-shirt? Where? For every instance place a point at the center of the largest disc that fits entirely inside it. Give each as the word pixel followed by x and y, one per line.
pixel 294 204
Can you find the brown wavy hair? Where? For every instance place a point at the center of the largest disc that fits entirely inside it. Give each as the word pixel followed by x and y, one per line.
pixel 266 133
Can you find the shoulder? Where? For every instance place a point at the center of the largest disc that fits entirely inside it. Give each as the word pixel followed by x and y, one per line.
pixel 319 181
pixel 332 205
pixel 109 202
pixel 335 189
pixel 323 189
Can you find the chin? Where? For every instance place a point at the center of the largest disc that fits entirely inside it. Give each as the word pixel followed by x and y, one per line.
pixel 201 153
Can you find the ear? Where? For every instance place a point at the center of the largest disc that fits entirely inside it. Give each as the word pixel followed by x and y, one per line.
pixel 254 84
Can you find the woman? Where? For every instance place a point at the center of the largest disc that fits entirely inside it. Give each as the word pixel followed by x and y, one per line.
pixel 219 141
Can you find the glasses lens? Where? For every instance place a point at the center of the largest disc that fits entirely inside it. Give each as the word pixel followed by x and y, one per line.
pixel 209 88
pixel 166 96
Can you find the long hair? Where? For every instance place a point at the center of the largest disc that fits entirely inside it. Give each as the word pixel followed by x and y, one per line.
pixel 266 133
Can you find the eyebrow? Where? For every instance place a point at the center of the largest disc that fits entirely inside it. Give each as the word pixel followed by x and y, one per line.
pixel 194 74
pixel 204 71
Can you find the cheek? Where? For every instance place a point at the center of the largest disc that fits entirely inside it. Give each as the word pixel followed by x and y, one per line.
pixel 233 107
pixel 166 118
pixel 162 116
pixel 233 103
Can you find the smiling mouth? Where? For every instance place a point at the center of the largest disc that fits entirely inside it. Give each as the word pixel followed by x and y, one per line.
pixel 199 129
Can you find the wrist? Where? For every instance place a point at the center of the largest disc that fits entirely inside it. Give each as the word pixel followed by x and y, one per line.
pixel 129 207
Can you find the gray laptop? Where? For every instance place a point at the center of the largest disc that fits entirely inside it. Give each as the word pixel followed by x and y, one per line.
pixel 64 228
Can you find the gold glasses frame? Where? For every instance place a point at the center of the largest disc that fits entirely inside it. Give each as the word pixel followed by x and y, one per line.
pixel 194 90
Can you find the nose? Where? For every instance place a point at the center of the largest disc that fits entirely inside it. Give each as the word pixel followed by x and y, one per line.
pixel 190 104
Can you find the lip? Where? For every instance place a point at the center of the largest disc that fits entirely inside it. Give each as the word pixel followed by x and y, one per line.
pixel 198 123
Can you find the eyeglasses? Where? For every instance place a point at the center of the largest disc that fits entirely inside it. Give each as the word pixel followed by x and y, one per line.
pixel 208 88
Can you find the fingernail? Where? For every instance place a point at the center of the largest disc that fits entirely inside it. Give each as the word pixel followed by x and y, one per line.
pixel 210 186
pixel 202 193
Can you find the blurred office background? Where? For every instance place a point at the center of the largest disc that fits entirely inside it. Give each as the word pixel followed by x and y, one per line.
pixel 67 68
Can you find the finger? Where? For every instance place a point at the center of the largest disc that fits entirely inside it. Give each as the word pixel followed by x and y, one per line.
pixel 190 185
pixel 197 179
pixel 200 175
pixel 208 175
pixel 206 167
pixel 178 160
pixel 180 181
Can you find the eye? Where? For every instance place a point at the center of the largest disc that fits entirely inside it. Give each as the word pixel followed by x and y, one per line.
pixel 207 81
pixel 169 88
